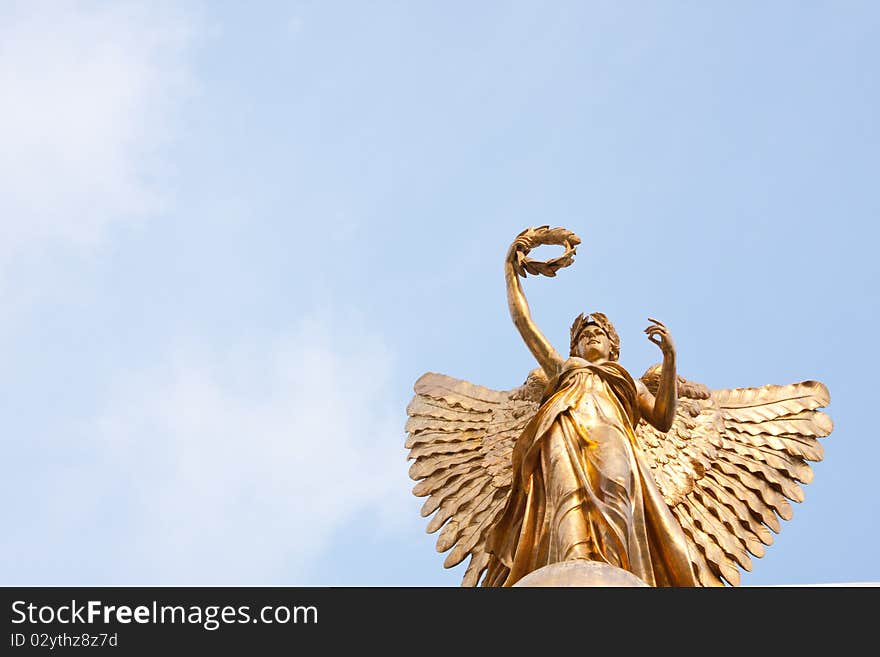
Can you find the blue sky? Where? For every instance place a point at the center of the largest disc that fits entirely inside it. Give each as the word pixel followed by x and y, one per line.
pixel 235 235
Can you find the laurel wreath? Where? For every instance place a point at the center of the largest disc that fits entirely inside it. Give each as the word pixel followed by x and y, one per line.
pixel 531 238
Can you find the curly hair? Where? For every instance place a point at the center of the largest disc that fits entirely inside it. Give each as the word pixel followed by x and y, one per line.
pixel 595 319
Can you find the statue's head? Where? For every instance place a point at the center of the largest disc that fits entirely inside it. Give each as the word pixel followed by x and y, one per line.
pixel 593 337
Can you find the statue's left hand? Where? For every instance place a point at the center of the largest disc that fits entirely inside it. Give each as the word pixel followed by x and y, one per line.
pixel 659 335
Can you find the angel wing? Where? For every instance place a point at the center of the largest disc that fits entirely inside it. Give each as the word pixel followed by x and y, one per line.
pixel 730 464
pixel 461 437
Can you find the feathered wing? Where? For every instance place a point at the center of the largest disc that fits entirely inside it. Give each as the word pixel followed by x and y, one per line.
pixel 731 463
pixel 461 437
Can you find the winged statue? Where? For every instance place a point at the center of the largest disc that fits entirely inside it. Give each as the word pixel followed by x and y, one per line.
pixel 659 476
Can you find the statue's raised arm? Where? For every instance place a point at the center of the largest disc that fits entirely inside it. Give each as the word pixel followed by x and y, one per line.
pixel 517 264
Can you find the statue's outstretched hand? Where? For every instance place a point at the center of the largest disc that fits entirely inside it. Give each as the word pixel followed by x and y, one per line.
pixel 659 335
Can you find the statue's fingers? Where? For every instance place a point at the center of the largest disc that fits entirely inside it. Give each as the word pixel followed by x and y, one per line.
pixel 657 321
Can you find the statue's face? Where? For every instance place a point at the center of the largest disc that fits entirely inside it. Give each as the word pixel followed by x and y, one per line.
pixel 593 343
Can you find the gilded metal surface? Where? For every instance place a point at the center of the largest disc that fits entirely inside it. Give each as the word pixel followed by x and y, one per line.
pixel 660 476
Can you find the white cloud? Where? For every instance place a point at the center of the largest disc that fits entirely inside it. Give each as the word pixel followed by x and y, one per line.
pixel 87 93
pixel 240 469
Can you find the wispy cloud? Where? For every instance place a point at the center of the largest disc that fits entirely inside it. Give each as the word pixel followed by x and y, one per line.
pixel 233 468
pixel 88 95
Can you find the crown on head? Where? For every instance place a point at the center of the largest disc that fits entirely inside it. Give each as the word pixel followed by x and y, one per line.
pixel 600 320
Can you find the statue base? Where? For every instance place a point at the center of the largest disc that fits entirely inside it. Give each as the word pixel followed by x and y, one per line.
pixel 580 573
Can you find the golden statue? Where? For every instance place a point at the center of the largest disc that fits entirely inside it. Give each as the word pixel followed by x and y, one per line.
pixel 661 477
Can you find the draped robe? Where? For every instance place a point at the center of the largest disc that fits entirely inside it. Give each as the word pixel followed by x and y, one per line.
pixel 581 489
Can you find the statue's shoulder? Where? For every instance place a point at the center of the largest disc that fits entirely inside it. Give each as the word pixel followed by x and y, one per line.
pixel 574 362
pixel 567 368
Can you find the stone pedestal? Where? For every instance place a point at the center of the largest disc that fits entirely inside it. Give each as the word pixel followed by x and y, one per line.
pixel 580 573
